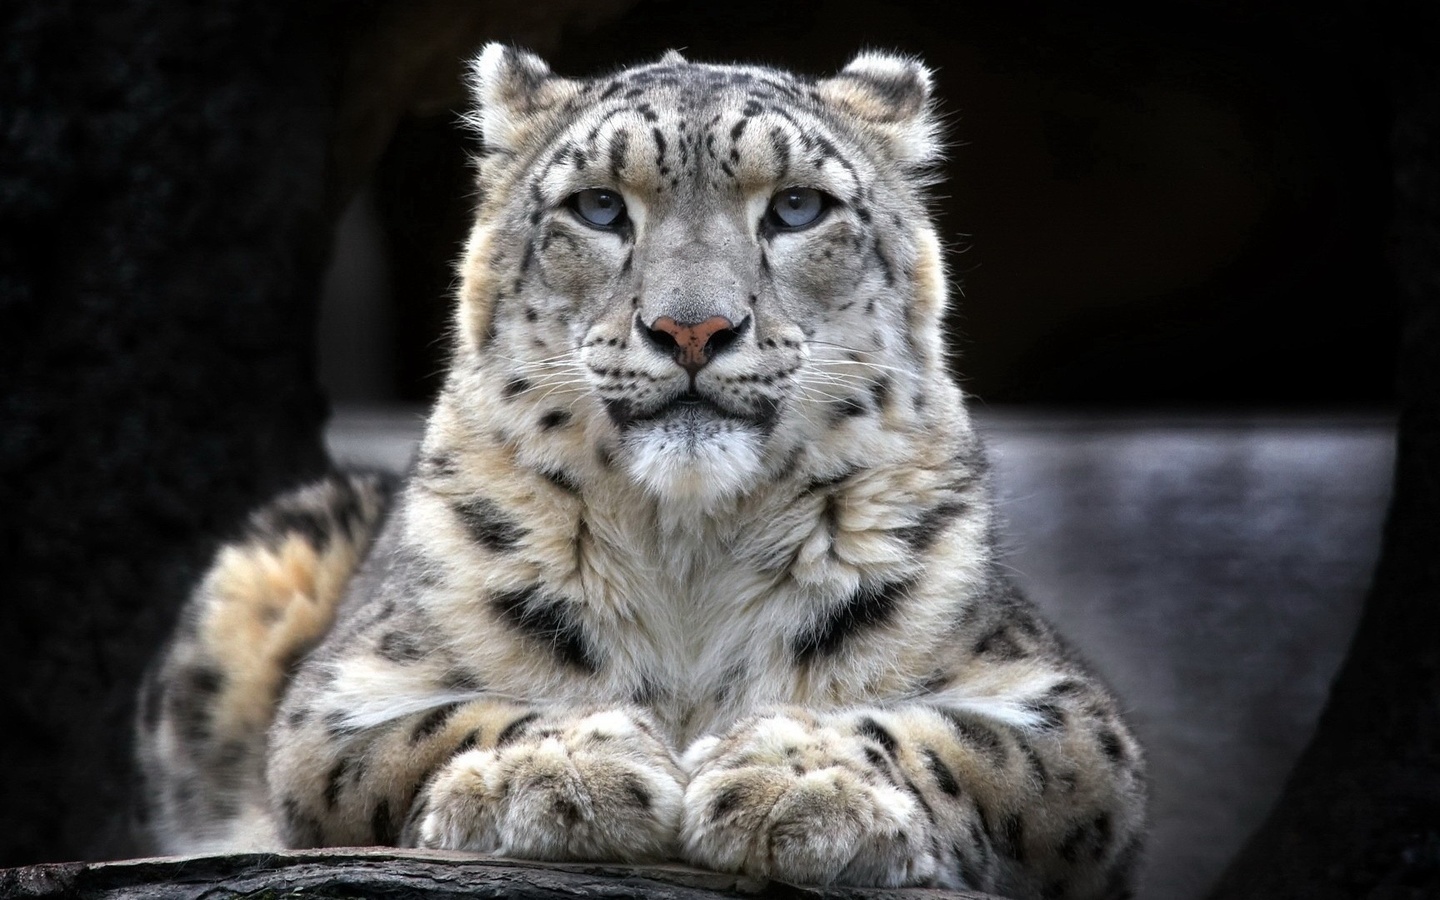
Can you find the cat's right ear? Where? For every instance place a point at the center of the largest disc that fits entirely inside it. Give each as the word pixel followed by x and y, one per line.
pixel 515 95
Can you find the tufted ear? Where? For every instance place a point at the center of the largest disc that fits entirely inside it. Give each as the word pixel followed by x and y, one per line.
pixel 891 94
pixel 515 92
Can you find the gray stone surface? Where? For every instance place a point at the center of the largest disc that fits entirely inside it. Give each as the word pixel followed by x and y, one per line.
pixel 1211 567
pixel 1213 570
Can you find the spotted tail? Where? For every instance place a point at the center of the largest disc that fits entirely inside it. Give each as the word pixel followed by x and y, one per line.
pixel 208 700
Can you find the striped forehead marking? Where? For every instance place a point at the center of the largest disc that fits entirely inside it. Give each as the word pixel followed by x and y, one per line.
pixel 692 114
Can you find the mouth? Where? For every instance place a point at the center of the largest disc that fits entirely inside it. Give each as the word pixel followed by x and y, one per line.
pixel 689 407
pixel 692 400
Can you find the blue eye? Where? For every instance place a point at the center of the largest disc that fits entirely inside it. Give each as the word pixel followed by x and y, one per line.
pixel 599 207
pixel 797 207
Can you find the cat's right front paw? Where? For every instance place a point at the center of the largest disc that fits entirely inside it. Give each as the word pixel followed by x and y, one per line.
pixel 596 787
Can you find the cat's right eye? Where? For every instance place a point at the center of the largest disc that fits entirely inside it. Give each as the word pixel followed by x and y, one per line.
pixel 599 208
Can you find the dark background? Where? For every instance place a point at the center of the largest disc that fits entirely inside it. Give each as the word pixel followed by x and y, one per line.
pixel 1190 205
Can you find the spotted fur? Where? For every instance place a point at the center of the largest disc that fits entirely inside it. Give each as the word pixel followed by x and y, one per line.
pixel 697 560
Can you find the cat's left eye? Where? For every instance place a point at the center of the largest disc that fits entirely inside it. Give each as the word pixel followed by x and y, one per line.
pixel 797 207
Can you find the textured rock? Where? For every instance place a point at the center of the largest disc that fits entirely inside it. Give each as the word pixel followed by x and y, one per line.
pixel 360 874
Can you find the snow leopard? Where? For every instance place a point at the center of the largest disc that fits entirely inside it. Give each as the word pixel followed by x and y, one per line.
pixel 697 559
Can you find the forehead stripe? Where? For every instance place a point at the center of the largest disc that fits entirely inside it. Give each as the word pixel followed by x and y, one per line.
pixel 619 143
pixel 781 146
pixel 605 118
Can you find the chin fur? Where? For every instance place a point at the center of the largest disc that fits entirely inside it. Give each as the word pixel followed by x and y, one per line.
pixel 701 463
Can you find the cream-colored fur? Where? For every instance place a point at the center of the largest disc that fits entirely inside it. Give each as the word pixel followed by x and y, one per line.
pixel 738 603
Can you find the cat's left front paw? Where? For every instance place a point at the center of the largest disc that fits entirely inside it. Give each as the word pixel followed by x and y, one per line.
pixel 784 796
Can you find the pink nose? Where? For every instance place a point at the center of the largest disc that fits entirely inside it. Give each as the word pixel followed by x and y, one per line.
pixel 693 345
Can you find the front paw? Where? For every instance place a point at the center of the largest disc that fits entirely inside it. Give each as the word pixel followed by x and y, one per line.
pixel 785 797
pixel 599 787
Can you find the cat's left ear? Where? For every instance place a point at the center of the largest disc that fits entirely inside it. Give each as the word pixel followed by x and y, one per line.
pixel 891 95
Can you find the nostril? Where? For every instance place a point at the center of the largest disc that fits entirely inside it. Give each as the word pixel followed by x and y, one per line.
pixel 663 341
pixel 721 340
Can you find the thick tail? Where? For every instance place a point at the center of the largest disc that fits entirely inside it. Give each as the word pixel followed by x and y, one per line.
pixel 208 701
